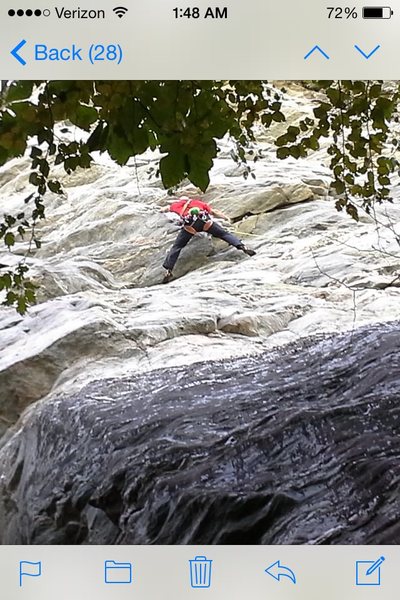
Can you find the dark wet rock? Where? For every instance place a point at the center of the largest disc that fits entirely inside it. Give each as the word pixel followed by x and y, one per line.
pixel 300 445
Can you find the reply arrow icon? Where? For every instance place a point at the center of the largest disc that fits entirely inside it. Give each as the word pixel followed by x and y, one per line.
pixel 276 570
pixel 14 52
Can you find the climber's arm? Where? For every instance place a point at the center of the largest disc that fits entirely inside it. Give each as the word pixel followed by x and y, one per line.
pixel 219 214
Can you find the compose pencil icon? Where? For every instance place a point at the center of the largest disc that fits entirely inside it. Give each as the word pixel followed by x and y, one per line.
pixel 375 565
pixel 368 572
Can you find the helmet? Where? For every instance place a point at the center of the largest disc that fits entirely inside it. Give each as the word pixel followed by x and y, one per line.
pixel 194 211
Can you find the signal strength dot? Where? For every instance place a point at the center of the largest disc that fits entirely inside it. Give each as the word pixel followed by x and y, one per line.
pixel 120 11
pixel 28 13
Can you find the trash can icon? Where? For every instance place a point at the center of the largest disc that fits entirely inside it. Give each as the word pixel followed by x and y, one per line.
pixel 200 572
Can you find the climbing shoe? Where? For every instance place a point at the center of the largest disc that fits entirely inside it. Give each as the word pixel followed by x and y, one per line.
pixel 167 277
pixel 248 251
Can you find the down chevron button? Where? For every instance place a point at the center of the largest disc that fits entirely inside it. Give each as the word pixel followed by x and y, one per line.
pixel 367 56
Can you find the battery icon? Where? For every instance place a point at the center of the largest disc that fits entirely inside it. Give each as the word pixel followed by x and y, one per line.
pixel 377 12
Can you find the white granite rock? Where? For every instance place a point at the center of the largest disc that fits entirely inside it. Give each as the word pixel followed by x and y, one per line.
pixel 103 312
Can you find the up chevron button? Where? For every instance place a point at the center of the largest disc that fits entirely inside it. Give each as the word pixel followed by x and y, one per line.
pixel 365 55
pixel 316 47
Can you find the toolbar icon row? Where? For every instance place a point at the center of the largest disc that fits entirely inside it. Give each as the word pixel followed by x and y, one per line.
pixel 368 572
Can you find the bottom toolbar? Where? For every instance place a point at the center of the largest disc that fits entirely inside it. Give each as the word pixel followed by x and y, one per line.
pixel 174 572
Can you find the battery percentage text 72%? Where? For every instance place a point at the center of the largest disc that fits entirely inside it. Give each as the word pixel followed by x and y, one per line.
pixel 339 12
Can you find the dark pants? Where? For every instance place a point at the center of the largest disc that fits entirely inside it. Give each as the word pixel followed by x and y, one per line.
pixel 184 237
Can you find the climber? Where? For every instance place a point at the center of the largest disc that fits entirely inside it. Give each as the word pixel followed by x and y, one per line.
pixel 196 217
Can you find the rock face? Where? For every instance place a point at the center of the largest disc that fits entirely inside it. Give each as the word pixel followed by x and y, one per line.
pixel 102 362
pixel 294 446
pixel 102 312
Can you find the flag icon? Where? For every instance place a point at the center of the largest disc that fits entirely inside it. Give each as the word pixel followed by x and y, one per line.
pixel 29 569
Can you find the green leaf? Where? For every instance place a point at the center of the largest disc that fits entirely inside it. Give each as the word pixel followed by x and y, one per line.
pixel 44 167
pixel 352 211
pixel 199 177
pixel 292 133
pixel 11 297
pixel 19 90
pixel 200 162
pixel 54 186
pixel 85 161
pixel 295 151
pixel 85 117
pixel 35 179
pixel 140 140
pixel 172 169
pixel 359 86
pixel 119 148
pixel 313 143
pixel 97 140
pixel 322 111
pixel 279 117
pixel 21 305
pixel 45 135
pixel 282 153
pixel 5 281
pixel 266 119
pixel 339 186
pixel 30 296
pixel 9 239
pixel 333 95
pixel 35 152
pixel 71 163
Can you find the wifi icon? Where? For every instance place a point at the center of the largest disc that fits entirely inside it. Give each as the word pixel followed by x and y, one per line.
pixel 120 11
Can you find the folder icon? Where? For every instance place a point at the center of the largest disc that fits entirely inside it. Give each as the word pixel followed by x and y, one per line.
pixel 117 572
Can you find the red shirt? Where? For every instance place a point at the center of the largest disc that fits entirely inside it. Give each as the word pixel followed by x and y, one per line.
pixel 178 206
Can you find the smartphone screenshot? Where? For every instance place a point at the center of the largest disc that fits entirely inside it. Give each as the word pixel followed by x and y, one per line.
pixel 199 300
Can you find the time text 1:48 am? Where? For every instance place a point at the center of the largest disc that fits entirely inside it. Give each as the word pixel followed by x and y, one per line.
pixel 195 13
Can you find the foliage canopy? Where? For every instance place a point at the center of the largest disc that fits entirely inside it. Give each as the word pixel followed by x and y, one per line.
pixel 185 120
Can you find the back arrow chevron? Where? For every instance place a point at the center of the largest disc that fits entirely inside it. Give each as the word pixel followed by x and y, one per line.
pixel 276 570
pixel 14 52
pixel 316 47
